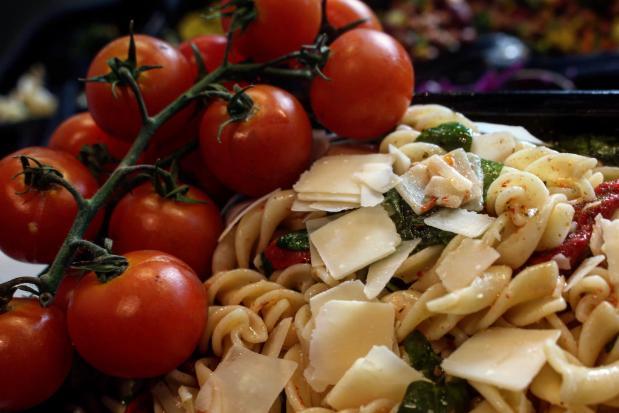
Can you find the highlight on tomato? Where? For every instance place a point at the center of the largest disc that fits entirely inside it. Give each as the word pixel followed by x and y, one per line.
pixel 162 74
pixel 141 323
pixel 266 151
pixel 187 226
pixel 36 218
pixel 35 353
pixel 274 27
pixel 369 85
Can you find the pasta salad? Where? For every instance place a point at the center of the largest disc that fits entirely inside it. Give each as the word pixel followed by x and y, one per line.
pixel 465 267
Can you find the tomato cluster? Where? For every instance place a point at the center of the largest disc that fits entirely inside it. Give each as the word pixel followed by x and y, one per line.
pixel 147 318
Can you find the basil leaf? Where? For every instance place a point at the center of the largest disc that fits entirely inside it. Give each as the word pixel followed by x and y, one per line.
pixel 294 241
pixel 448 136
pixel 422 357
pixel 424 397
pixel 491 170
pixel 410 225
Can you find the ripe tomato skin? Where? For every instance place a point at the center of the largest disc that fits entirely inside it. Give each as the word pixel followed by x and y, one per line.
pixel 35 223
pixel 266 151
pixel 371 85
pixel 142 323
pixel 36 354
pixel 194 168
pixel 145 220
pixel 280 27
pixel 80 130
pixel 343 12
pixel 119 116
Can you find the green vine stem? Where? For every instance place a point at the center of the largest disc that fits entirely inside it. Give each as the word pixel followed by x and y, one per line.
pixel 88 208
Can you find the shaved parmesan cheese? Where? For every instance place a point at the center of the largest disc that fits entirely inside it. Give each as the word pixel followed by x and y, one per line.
pixel 508 358
pixel 583 269
pixel 356 240
pixel 258 202
pixel 437 166
pixel 346 291
pixel 379 177
pixel 379 375
pixel 302 206
pixel 402 162
pixel 518 132
pixel 248 382
pixel 335 174
pixel 381 272
pixel 318 196
pixel 370 197
pixel 468 261
pixel 333 206
pixel 412 187
pixel 597 239
pixel 460 221
pixel 311 226
pixel 344 332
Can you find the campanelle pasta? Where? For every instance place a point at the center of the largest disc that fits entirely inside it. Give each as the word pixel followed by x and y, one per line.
pixel 290 322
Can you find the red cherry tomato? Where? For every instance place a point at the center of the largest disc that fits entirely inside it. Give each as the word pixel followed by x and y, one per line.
pixel 343 12
pixel 280 27
pixel 145 220
pixel 64 292
pixel 144 322
pixel 81 130
pixel 118 113
pixel 266 151
pixel 371 85
pixel 34 223
pixel 35 354
pixel 194 167
pixel 212 48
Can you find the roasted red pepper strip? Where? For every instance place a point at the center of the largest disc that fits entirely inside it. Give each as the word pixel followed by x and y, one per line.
pixel 281 258
pixel 576 245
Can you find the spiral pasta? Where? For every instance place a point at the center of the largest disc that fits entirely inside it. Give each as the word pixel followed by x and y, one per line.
pixel 530 207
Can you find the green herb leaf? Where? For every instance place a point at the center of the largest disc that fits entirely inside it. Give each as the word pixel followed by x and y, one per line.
pixel 294 241
pixel 491 170
pixel 422 357
pixel 410 225
pixel 424 397
pixel 448 136
pixel 604 148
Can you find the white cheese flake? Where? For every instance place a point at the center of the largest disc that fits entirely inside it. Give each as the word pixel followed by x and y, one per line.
pixel 346 291
pixel 356 240
pixel 460 221
pixel 508 358
pixel 379 375
pixel 246 382
pixel 381 271
pixel 468 261
pixel 344 332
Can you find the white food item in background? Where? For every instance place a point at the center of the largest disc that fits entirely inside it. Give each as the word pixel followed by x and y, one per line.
pixel 356 240
pixel 610 232
pixel 379 375
pixel 346 291
pixel 508 358
pixel 381 271
pixel 597 238
pixel 345 331
pixel 460 221
pixel 246 382
pixel 583 270
pixel 518 132
pixel 495 146
pixel 467 262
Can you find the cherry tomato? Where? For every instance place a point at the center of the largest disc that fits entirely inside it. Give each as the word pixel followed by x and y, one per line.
pixel 81 130
pixel 64 292
pixel 266 151
pixel 194 168
pixel 280 27
pixel 118 113
pixel 212 48
pixel 35 355
pixel 343 12
pixel 144 322
pixel 371 85
pixel 145 220
pixel 33 222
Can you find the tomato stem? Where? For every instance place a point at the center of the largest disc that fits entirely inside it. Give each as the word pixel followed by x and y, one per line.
pixel 313 56
pixel 9 288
